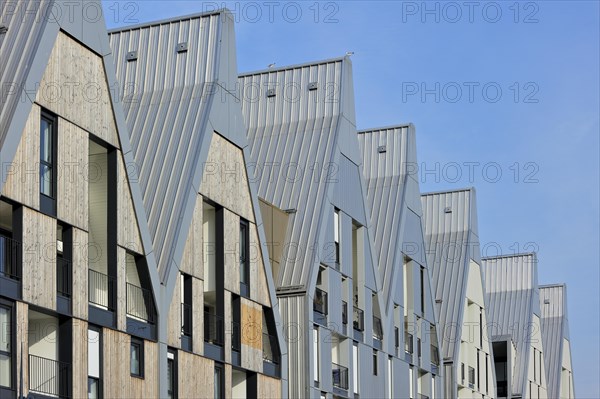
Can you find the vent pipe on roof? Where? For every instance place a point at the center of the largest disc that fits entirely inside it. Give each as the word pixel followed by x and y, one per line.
pixel 3 29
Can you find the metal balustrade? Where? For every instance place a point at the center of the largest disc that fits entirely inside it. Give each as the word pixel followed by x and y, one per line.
pixel 358 319
pixel 101 288
pixel 214 329
pixel 63 277
pixel 377 328
pixel 140 303
pixel 320 301
pixel 270 348
pixel 186 319
pixel 408 343
pixel 49 377
pixel 340 376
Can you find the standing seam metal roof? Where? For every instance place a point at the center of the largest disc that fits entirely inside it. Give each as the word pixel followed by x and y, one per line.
pixel 555 329
pixel 512 296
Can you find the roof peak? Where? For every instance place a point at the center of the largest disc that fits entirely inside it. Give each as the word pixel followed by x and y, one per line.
pixel 169 20
pixel 389 127
pixel 517 255
pixel 457 190
pixel 295 66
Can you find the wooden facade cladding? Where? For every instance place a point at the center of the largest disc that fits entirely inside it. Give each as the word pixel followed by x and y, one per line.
pixel 195 376
pixel 80 358
pixel 39 259
pixel 74 86
pixel 80 274
pixel 23 177
pixel 117 380
pixel 268 387
pixel 191 262
pixel 128 233
pixel 251 322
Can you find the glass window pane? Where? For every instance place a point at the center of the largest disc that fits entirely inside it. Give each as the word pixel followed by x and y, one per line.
pixel 5 330
pixel 46 180
pixel 135 359
pixel 93 386
pixel 46 141
pixel 5 371
pixel 218 382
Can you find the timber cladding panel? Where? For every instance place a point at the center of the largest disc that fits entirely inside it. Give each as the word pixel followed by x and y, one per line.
pixel 74 86
pixel 23 177
pixel 225 180
pixel 72 182
pixel 39 259
pixel 192 259
pixel 80 274
pixel 80 358
pixel 231 227
pixel 117 380
pixel 268 387
pixel 195 376
pixel 251 337
pixel 128 234
pixel 23 342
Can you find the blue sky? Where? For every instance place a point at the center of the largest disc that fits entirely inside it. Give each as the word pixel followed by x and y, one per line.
pixel 508 91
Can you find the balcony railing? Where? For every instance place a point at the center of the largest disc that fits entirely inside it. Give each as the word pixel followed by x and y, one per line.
pixel 344 312
pixel 186 319
pixel 421 396
pixel 408 343
pixel 270 348
pixel 236 336
pixel 435 356
pixel 63 277
pixel 214 329
pixel 10 257
pixel 358 319
pixel 320 301
pixel 377 328
pixel 140 303
pixel 49 377
pixel 340 376
pixel 100 289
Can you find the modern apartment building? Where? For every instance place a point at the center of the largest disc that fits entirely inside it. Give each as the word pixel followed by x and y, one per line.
pixel 453 256
pixel 515 328
pixel 77 278
pixel 220 334
pixel 306 162
pixel 556 341
pixel 389 165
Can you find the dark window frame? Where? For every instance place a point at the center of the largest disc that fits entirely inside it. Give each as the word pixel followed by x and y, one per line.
pixel 375 360
pixel 244 249
pixel 139 343
pixel 220 371
pixel 48 201
pixel 11 307
pixel 100 378
pixel 173 375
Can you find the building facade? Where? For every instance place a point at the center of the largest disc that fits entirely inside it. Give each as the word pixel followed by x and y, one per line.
pixel 77 276
pixel 220 334
pixel 453 254
pixel 389 160
pixel 556 341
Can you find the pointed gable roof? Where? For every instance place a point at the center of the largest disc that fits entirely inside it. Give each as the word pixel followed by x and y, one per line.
pixel 513 298
pixel 168 96
pixel 33 27
pixel 451 242
pixel 295 135
pixel 555 330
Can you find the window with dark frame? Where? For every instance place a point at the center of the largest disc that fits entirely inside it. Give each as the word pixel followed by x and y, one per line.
pixel 219 382
pixel 336 234
pixel 48 143
pixel 94 362
pixel 422 283
pixel 244 258
pixel 374 361
pixel 6 346
pixel 172 374
pixel 137 358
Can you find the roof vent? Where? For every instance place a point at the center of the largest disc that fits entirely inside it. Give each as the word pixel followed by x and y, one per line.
pixel 438 301
pixel 3 29
pixel 312 86
pixel 381 149
pixel 447 210
pixel 132 56
pixel 546 301
pixel 271 93
pixel 182 47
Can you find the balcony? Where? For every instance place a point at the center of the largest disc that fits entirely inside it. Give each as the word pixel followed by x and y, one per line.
pixel 213 329
pixel 421 396
pixel 408 347
pixel 100 290
pixel 340 376
pixel 140 304
pixel 271 355
pixel 435 356
pixel 236 336
pixel 186 327
pixel 49 377
pixel 344 312
pixel 10 267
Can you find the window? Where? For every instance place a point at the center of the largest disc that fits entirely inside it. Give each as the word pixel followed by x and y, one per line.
pixel 171 374
pixel 481 328
pixel 186 311
pixel 422 281
pixel 390 376
pixel 48 157
pixel 410 382
pixel 471 377
pixel 336 234
pixel 6 334
pixel 316 353
pixel 374 361
pixel 137 358
pixel 487 359
pixel 534 365
pixel 63 260
pixel 355 366
pixel 94 362
pixel 244 258
pixel 478 371
pixel 462 372
pixel 219 381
